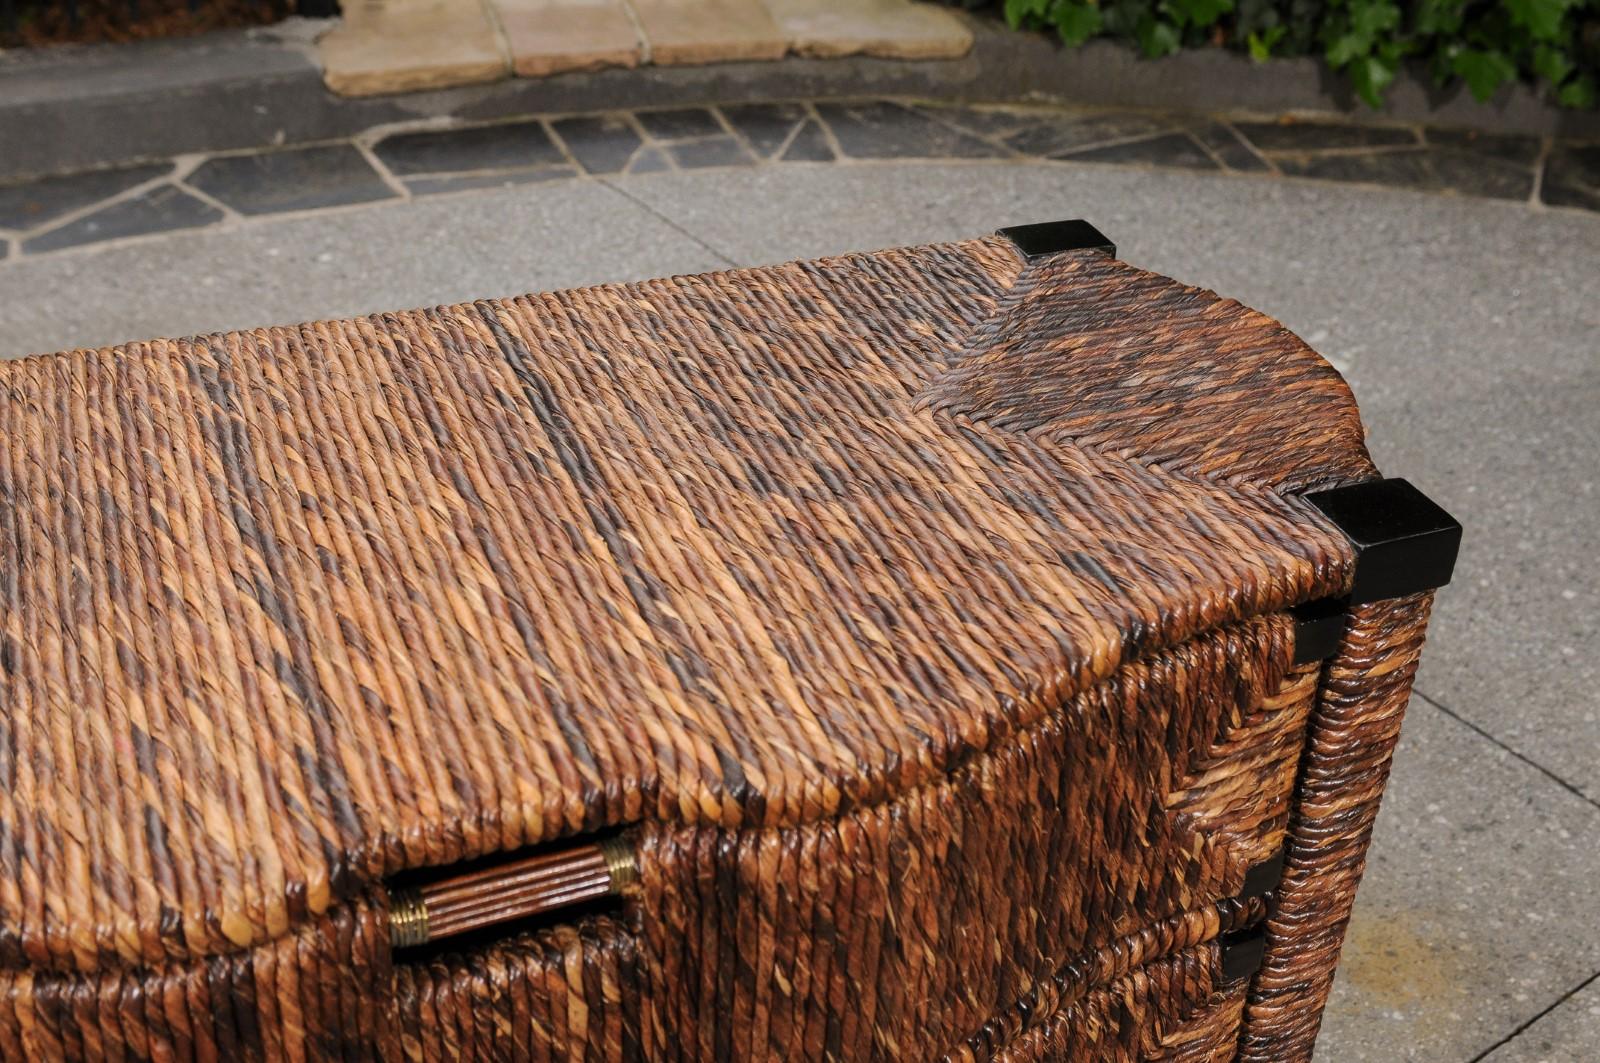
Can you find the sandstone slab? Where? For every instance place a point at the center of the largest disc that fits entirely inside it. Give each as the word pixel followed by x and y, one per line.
pixel 410 45
pixel 893 29
pixel 557 36
pixel 684 32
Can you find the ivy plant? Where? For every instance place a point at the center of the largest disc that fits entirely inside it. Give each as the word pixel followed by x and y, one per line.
pixel 1484 44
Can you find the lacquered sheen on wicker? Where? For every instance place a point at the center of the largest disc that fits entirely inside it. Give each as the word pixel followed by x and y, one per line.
pixel 832 584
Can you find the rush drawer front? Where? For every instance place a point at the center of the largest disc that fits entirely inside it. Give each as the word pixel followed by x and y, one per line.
pixel 1135 828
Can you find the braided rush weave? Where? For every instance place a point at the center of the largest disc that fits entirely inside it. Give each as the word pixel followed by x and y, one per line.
pixel 917 615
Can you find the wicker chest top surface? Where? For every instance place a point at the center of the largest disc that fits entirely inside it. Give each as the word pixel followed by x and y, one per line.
pixel 286 611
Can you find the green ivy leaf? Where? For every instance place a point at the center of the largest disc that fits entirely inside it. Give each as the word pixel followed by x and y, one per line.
pixel 1261 44
pixel 1483 43
pixel 1346 47
pixel 1199 12
pixel 1368 21
pixel 1157 38
pixel 1541 18
pixel 1020 11
pixel 1076 22
pixel 1483 71
pixel 1371 74
pixel 1552 64
pixel 1372 17
pixel 1438 18
pixel 1580 92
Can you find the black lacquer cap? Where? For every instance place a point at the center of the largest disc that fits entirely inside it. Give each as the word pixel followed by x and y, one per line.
pixel 1404 542
pixel 1050 237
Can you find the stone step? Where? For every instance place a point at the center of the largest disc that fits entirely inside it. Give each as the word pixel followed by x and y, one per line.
pixel 557 36
pixel 384 46
pixel 892 29
pixel 388 46
pixel 691 32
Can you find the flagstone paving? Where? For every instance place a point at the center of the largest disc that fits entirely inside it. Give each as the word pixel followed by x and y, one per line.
pixel 425 158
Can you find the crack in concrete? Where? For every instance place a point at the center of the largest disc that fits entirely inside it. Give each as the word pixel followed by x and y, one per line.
pixel 1520 1030
pixel 1571 788
pixel 670 223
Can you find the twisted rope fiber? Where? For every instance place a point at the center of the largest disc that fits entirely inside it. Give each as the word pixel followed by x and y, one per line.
pixel 1349 749
pixel 756 563
pixel 756 879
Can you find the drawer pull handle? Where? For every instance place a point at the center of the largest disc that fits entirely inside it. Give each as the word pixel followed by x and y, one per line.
pixel 517 889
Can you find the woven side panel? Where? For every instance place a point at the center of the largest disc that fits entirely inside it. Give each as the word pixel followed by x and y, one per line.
pixel 1089 349
pixel 1212 1036
pixel 1237 794
pixel 318 994
pixel 572 992
pixel 899 930
pixel 1105 966
pixel 1127 1021
pixel 1351 741
pixel 895 932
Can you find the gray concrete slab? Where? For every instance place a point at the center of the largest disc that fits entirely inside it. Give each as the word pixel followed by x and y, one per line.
pixel 1468 329
pixel 1571 1031
pixel 439 249
pixel 1475 913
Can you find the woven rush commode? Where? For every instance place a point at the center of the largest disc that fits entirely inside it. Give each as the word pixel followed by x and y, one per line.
pixel 983 651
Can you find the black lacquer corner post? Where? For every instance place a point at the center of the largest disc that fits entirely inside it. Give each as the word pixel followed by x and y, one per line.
pixel 1243 952
pixel 1404 544
pixel 1053 237
pixel 1261 879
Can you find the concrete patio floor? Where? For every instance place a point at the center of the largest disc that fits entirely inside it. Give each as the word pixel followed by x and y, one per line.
pixel 1470 330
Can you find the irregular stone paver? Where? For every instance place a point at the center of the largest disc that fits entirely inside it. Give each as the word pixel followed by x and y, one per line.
pixel 1572 177
pixel 600 143
pixel 712 151
pixel 297 179
pixel 408 45
pixel 1520 149
pixel 649 160
pixel 1433 169
pixel 995 121
pixel 31 204
pixel 524 151
pixel 513 145
pixel 555 36
pixel 1053 134
pixel 685 32
pixel 1230 149
pixel 161 209
pixel 1569 1032
pixel 810 144
pixel 890 131
pixel 1169 149
pixel 894 29
pixel 767 126
pixel 1322 136
pixel 681 123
